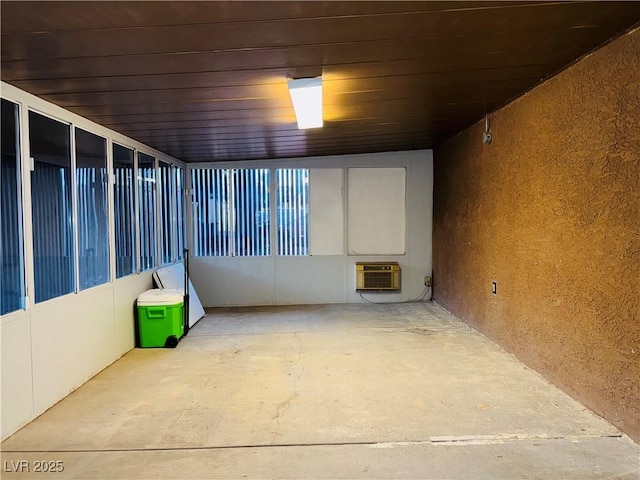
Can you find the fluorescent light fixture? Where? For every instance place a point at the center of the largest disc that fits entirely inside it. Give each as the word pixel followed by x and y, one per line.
pixel 306 95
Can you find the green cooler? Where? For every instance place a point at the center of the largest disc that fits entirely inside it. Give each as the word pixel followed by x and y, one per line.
pixel 160 317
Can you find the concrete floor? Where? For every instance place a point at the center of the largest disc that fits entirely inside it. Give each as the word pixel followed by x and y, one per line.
pixel 337 391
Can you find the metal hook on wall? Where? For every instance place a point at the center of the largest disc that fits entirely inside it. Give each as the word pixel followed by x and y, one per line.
pixel 487 137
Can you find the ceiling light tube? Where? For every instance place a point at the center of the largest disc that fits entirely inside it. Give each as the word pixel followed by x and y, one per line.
pixel 306 95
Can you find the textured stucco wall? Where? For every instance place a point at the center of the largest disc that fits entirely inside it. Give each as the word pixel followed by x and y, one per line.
pixel 551 212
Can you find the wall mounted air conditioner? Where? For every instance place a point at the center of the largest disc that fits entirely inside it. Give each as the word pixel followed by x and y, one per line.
pixel 377 276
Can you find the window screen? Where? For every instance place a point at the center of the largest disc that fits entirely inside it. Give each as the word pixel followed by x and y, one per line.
pixel 11 246
pixel 124 210
pixel 51 207
pixel 93 210
pixel 147 210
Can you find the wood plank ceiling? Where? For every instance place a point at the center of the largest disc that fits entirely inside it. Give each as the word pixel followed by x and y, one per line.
pixel 207 81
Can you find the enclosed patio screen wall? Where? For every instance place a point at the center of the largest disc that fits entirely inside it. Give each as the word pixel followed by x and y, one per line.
pixel 71 264
pixel 293 234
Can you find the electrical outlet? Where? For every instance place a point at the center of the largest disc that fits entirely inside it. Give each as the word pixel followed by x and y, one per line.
pixel 494 288
pixel 427 281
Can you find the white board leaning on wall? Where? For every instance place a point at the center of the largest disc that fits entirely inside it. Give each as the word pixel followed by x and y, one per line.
pixel 173 277
pixel 377 209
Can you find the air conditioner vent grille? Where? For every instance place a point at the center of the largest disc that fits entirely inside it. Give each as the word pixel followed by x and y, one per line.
pixel 376 268
pixel 377 276
pixel 378 280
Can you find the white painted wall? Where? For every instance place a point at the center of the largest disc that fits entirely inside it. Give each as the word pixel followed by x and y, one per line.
pixel 54 347
pixel 275 280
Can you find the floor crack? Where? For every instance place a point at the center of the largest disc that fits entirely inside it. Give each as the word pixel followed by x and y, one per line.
pixel 463 440
pixel 283 407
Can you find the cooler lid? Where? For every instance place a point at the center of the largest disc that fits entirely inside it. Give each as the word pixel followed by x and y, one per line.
pixel 159 296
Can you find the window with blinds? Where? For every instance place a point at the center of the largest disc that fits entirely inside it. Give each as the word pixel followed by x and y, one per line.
pixel 171 179
pixel 124 210
pixel 231 212
pixel 70 210
pixel 92 208
pixel 292 211
pixel 12 251
pixel 51 207
pixel 232 215
pixel 167 197
pixel 178 178
pixel 147 210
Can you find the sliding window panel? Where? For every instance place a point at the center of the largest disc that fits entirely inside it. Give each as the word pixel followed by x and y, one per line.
pixel 178 177
pixel 292 213
pixel 93 209
pixel 147 211
pixel 167 212
pixel 11 239
pixel 51 205
pixel 124 210
pixel 251 209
